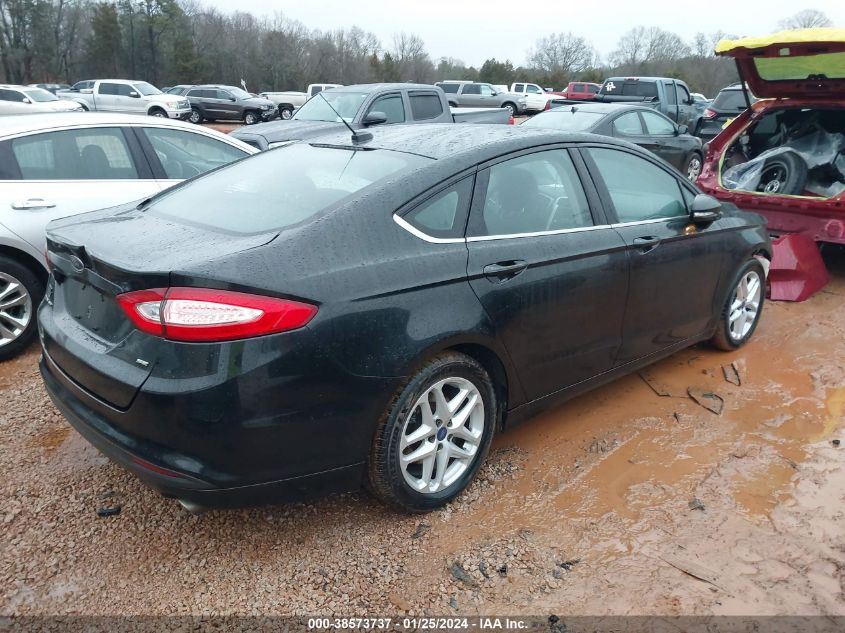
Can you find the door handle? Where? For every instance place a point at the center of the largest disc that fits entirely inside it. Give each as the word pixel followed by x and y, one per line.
pixel 502 271
pixel 33 203
pixel 646 243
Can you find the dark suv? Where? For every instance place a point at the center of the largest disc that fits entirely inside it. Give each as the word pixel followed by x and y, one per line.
pixel 225 103
pixel 728 104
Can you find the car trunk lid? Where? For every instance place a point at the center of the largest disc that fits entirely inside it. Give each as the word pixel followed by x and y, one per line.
pixel 85 331
pixel 805 63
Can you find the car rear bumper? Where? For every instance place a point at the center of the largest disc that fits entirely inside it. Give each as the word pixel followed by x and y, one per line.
pixel 176 470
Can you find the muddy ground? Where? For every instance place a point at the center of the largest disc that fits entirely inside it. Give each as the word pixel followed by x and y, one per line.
pixel 620 502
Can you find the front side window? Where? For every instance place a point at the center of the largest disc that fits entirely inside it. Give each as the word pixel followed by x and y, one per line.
pixel 125 90
pixel 222 94
pixel 657 125
pixel 487 90
pixel 534 90
pixel 391 106
pixel 186 154
pixel 279 189
pixel 88 154
pixel 628 124
pixel 639 189
pixel 425 105
pixel 443 215
pixel 534 193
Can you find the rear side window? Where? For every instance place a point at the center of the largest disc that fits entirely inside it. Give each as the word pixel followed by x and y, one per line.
pixel 107 89
pixel 282 188
pixel 444 214
pixel 186 154
pixel 519 88
pixel 425 105
pixel 592 89
pixel 639 189
pixel 95 154
pixel 449 88
pixel 10 95
pixel 534 193
pixel 392 107
pixel 671 95
pixel 628 124
pixel 472 89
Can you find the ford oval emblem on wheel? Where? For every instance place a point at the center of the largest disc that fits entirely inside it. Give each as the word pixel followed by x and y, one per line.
pixel 76 264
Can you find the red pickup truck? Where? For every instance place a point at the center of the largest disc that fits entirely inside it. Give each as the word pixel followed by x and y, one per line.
pixel 579 91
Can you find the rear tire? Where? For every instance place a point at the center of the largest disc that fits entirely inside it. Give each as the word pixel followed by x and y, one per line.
pixel 443 419
pixel 285 112
pixel 20 293
pixel 742 309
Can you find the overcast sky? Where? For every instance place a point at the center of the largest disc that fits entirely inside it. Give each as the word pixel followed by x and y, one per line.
pixel 474 30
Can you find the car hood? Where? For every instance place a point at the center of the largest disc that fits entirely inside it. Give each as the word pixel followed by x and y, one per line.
pixel 258 102
pixel 61 105
pixel 805 63
pixel 290 130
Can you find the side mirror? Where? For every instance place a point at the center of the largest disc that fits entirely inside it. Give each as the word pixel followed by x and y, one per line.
pixel 691 101
pixel 86 91
pixel 682 129
pixel 705 209
pixel 134 95
pixel 232 99
pixel 26 100
pixel 375 118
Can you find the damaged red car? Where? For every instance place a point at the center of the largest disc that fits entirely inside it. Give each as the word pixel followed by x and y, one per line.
pixel 784 157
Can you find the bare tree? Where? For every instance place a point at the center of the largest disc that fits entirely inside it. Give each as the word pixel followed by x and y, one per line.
pixel 806 19
pixel 648 46
pixel 562 53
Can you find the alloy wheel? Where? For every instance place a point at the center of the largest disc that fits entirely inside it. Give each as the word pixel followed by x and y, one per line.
pixel 442 435
pixel 195 116
pixel 745 306
pixel 774 178
pixel 15 308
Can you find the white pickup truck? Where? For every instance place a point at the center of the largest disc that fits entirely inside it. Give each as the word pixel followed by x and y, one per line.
pixel 126 96
pixel 289 101
pixel 535 96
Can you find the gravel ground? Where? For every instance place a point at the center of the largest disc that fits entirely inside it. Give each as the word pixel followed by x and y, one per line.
pixel 620 502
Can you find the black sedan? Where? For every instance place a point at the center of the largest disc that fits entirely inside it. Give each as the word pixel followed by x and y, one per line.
pixel 637 124
pixel 339 313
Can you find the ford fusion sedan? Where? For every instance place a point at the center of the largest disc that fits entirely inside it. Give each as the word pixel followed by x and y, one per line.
pixel 335 314
pixel 637 124
pixel 58 165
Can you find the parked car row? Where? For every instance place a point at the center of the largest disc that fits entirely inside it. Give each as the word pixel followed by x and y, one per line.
pixel 30 99
pixel 127 96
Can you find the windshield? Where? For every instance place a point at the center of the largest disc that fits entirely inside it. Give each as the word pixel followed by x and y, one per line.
pixel 146 89
pixel 280 188
pixel 347 105
pixel 39 95
pixel 565 120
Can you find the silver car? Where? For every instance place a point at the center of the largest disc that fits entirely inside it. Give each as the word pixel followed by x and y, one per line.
pixel 58 165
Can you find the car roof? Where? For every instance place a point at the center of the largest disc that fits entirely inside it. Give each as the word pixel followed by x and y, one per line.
pixel 13 124
pixel 476 143
pixel 384 86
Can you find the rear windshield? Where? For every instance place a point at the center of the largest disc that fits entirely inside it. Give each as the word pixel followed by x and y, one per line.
pixel 824 66
pixel 730 100
pixel 629 88
pixel 280 188
pixel 566 120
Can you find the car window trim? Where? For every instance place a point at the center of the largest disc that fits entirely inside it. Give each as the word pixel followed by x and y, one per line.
pixel 385 96
pixel 428 194
pixel 423 93
pixel 594 203
pixel 659 115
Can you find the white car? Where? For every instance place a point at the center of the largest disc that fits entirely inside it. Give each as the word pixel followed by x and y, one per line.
pixel 58 165
pixel 30 99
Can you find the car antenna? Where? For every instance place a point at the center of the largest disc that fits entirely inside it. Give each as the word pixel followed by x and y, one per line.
pixel 357 137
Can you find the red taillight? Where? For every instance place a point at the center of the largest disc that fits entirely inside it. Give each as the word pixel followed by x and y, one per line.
pixel 203 314
pixel 709 114
pixel 511 120
pixel 548 105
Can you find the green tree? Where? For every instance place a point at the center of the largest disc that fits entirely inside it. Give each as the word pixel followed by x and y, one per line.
pixel 496 72
pixel 103 45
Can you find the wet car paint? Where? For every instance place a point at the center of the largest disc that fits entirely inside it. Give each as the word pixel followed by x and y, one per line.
pixel 274 416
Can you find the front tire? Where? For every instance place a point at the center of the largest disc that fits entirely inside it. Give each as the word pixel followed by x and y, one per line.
pixel 20 293
pixel 742 309
pixel 158 112
pixel 435 434
pixel 250 118
pixel 510 107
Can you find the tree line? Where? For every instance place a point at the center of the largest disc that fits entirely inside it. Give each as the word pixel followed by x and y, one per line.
pixel 167 42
